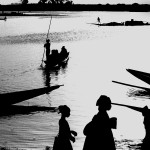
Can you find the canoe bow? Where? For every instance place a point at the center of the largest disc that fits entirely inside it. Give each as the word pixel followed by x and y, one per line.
pixel 16 97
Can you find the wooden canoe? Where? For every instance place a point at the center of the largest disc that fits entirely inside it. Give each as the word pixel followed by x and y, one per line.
pixel 24 110
pixel 140 75
pixel 16 97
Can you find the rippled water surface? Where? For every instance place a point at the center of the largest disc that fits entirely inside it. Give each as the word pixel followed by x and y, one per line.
pixel 98 55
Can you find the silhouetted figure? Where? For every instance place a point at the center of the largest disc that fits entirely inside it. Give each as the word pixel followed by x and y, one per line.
pixel 146 122
pixel 98 20
pixel 62 141
pixel 63 51
pixel 98 132
pixel 47 46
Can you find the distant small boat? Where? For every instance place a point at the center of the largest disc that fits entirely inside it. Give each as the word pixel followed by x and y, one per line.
pixel 109 24
pixel 140 75
pixel 132 22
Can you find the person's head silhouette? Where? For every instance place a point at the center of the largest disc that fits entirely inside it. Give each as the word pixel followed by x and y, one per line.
pixel 104 102
pixel 64 110
pixel 47 40
pixel 145 111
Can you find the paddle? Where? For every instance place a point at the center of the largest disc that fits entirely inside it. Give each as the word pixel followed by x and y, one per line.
pixel 144 88
pixel 46 38
pixel 139 109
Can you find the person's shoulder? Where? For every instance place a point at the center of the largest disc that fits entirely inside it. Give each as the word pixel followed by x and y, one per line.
pixel 62 120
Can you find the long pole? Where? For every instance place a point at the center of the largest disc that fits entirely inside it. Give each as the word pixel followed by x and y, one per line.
pixel 49 27
pixel 139 109
pixel 46 38
pixel 43 55
pixel 144 88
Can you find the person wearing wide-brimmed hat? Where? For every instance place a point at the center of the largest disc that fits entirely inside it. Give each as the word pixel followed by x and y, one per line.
pixel 98 131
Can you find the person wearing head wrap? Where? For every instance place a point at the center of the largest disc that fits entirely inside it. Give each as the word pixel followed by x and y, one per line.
pixel 65 135
pixel 98 131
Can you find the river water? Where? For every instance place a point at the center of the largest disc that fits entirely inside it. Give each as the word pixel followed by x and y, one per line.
pixel 98 55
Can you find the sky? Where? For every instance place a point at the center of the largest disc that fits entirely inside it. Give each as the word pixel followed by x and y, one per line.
pixel 3 2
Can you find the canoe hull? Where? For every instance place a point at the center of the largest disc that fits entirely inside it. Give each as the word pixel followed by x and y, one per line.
pixel 8 99
pixel 57 61
pixel 24 110
pixel 140 75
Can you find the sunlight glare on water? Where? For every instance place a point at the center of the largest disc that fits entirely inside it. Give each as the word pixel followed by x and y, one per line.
pixel 98 55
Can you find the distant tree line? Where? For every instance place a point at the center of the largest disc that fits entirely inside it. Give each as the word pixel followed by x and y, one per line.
pixel 67 5
pixel 60 2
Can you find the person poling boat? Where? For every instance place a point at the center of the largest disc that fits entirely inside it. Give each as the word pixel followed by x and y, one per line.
pixel 47 47
pixel 47 44
pixel 53 57
pixel 98 20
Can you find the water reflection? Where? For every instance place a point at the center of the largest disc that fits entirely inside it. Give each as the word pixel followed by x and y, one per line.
pixel 86 76
pixel 49 74
pixel 139 93
pixel 128 144
pixel 46 77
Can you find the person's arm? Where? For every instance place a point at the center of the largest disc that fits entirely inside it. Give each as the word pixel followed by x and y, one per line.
pixel 72 138
pixel 73 132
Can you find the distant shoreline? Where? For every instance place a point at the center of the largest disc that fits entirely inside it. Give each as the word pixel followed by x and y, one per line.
pixel 75 7
pixel 31 13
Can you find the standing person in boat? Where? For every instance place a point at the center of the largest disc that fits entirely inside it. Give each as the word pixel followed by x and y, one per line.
pixel 65 135
pixel 47 46
pixel 98 131
pixel 98 20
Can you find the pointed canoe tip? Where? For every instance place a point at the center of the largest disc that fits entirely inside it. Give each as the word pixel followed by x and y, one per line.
pixel 57 85
pixel 129 70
